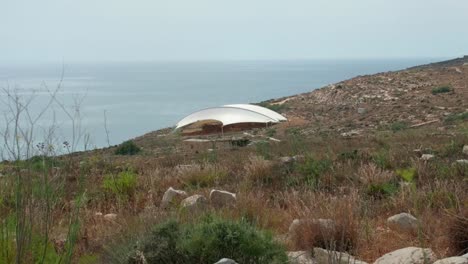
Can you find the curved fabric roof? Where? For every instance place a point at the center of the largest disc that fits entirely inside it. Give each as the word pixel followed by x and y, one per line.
pixel 228 115
pixel 261 110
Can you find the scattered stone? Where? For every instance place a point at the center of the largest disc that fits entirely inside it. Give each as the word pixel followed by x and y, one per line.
pixel 194 202
pixel 462 161
pixel 169 196
pixel 427 157
pixel 326 225
pixel 98 214
pixel 324 256
pixel 220 198
pixel 300 257
pixel 452 260
pixel 412 255
pixel 286 160
pixel 350 133
pixel 299 158
pixel 361 111
pixel 465 149
pixel 226 261
pixel 110 217
pixel 403 222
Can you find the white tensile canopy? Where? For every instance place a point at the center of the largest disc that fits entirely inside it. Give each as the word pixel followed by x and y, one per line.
pixel 233 114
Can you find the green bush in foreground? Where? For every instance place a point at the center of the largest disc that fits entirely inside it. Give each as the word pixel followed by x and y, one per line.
pixel 127 148
pixel 122 185
pixel 208 241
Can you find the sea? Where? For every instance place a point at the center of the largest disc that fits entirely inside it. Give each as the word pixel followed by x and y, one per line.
pixel 114 102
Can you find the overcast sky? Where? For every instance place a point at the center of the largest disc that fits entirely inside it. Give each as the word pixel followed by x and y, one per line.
pixel 135 30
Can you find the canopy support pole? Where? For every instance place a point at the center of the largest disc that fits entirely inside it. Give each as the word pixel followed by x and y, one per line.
pixel 222 131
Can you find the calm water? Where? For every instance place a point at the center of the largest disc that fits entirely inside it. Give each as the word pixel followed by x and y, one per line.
pixel 142 97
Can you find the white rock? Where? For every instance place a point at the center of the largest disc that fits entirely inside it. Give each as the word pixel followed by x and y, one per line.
pixel 427 157
pixel 465 256
pixel 220 198
pixel 462 161
pixel 169 196
pixel 453 260
pixel 97 214
pixel 465 149
pixel 410 255
pixel 299 158
pixel 194 202
pixel 324 256
pixel 325 225
pixel 286 160
pixel 403 222
pixel 226 261
pixel 300 257
pixel 110 217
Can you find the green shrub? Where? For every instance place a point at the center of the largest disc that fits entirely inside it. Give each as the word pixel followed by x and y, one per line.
pixel 441 89
pixel 270 132
pixel 124 184
pixel 275 107
pixel 398 126
pixel 382 190
pixel 313 169
pixel 457 117
pixel 263 149
pixel 243 142
pixel 127 148
pixel 408 175
pixel 208 241
pixel 382 159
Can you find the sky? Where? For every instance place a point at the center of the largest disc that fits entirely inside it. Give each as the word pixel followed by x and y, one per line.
pixel 184 30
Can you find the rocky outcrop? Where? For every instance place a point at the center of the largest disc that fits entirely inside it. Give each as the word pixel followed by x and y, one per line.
pixel 300 257
pixel 324 256
pixel 170 195
pixel 409 255
pixel 465 149
pixel 220 198
pixel 452 260
pixel 110 217
pixel 194 202
pixel 403 222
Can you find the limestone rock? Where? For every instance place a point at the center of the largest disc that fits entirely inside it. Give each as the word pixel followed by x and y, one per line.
pixel 170 195
pixel 110 217
pixel 462 161
pixel 226 261
pixel 465 149
pixel 326 225
pixel 403 222
pixel 220 198
pixel 194 202
pixel 409 255
pixel 286 160
pixel 299 158
pixel 300 257
pixel 427 157
pixel 453 260
pixel 324 256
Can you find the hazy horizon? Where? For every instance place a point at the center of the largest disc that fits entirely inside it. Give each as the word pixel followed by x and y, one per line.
pixel 56 31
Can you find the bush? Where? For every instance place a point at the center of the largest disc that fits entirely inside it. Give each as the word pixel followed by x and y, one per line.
pixel 274 107
pixel 208 241
pixel 441 89
pixel 458 233
pixel 127 148
pixel 313 169
pixel 124 184
pixel 398 126
pixel 382 190
pixel 457 117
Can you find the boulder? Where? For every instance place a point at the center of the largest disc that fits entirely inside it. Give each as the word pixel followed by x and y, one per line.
pixel 324 256
pixel 462 162
pixel 220 198
pixel 170 195
pixel 226 261
pixel 465 149
pixel 325 225
pixel 410 255
pixel 300 257
pixel 403 222
pixel 452 260
pixel 110 217
pixel 194 202
pixel 427 157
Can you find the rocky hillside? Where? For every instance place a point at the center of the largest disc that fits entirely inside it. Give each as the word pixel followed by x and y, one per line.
pixel 428 94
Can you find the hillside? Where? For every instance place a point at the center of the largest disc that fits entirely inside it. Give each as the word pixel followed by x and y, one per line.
pixel 365 166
